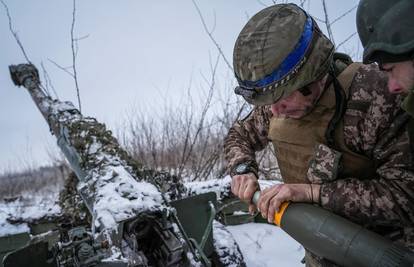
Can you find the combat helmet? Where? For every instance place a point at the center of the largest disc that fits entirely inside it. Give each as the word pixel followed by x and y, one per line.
pixel 279 50
pixel 386 30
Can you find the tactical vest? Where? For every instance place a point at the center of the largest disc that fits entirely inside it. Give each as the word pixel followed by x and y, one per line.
pixel 295 140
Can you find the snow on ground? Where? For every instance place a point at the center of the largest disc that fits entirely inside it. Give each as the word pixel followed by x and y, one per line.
pixel 30 207
pixel 265 245
pixel 7 228
pixel 261 244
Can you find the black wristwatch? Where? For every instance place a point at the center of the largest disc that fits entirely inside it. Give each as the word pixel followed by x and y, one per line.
pixel 243 168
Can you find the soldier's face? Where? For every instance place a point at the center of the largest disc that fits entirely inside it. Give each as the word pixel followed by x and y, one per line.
pixel 400 76
pixel 297 104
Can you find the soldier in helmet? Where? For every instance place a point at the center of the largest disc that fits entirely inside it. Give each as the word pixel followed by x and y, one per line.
pixel 328 120
pixel 386 29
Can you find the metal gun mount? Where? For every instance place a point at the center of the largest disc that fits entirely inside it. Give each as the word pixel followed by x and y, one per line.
pixel 78 248
pixel 133 221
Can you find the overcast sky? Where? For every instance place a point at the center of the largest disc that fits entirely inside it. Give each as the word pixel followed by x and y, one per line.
pixel 136 52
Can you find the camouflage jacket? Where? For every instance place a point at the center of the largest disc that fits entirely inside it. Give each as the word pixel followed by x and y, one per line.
pixel 374 126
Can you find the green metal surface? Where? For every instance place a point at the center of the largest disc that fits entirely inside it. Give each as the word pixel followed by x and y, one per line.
pixel 11 243
pixel 233 211
pixel 38 256
pixel 194 215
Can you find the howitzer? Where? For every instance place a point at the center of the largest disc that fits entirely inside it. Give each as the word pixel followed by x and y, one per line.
pixel 136 215
pixel 337 239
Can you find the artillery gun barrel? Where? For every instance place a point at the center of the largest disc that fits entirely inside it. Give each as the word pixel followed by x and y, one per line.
pixel 337 239
pixel 108 184
pixel 139 217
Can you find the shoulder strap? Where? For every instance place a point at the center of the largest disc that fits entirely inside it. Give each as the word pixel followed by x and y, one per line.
pixel 410 127
pixel 346 77
pixel 341 85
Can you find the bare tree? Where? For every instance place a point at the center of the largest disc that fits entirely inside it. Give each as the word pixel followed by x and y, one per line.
pixel 186 140
pixel 75 48
pixel 14 33
pixel 210 35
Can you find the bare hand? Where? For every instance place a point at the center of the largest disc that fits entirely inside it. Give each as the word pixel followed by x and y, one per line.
pixel 271 198
pixel 243 186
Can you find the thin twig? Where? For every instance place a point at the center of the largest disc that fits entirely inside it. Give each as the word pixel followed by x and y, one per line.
pixel 16 37
pixel 46 87
pixel 318 19
pixel 247 15
pixel 213 28
pixel 19 43
pixel 209 33
pixel 82 37
pixel 327 23
pixel 48 80
pixel 60 67
pixel 263 4
pixel 346 40
pixel 344 14
pixel 74 54
pixel 205 109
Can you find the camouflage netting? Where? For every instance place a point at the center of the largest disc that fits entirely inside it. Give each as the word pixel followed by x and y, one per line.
pixel 84 135
pixel 73 208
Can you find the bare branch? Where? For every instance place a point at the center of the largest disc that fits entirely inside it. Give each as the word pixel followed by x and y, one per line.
pixel 203 114
pixel 327 23
pixel 46 86
pixel 19 43
pixel 344 41
pixel 263 4
pixel 15 35
pixel 318 19
pixel 74 54
pixel 82 37
pixel 209 33
pixel 343 15
pixel 214 22
pixel 60 67
pixel 48 81
pixel 247 15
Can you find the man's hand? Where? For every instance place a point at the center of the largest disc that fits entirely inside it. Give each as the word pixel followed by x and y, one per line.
pixel 243 186
pixel 271 198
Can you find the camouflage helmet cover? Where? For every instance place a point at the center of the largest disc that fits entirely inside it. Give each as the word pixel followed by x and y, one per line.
pixel 279 50
pixel 386 29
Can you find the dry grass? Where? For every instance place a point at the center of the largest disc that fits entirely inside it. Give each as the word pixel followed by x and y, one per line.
pixel 186 139
pixel 42 181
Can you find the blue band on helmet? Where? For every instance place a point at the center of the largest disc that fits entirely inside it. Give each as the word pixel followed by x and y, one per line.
pixel 288 63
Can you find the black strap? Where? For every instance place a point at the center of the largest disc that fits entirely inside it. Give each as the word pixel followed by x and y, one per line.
pixel 340 107
pixel 410 128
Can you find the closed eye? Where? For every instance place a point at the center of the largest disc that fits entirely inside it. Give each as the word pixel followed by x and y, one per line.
pixel 381 67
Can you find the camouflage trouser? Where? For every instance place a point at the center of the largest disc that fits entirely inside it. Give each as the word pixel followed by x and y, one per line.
pixel 311 260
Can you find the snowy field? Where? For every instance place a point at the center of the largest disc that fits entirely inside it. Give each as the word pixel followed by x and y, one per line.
pixel 265 245
pixel 261 244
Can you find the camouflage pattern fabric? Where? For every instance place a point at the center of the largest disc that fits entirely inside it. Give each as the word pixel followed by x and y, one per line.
pixel 325 165
pixel 374 126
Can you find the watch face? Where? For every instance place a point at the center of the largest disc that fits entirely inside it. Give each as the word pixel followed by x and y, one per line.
pixel 241 168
